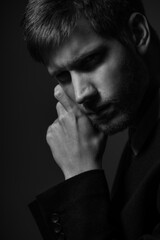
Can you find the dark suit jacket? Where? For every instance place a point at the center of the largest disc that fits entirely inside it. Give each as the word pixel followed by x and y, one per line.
pixel 81 208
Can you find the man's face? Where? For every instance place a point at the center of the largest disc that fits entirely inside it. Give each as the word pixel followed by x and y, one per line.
pixel 107 80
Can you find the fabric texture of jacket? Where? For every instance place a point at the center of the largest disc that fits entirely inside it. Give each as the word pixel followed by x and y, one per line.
pixel 81 208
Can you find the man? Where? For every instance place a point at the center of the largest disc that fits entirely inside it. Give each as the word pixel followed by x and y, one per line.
pixel 105 56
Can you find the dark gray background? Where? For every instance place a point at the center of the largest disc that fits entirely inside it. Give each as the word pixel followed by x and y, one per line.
pixel 27 167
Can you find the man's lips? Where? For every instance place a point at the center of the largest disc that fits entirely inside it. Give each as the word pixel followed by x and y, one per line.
pixel 97 110
pixel 102 114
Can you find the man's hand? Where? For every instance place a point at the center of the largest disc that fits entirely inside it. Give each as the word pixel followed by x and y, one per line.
pixel 75 144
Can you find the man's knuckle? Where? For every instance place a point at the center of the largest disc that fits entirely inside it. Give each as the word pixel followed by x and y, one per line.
pixel 62 118
pixel 52 127
pixel 49 136
pixel 49 130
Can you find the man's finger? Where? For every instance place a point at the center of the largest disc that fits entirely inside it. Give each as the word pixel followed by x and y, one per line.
pixel 60 110
pixel 65 100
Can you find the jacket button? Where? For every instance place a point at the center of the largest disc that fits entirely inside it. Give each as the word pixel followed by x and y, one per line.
pixel 61 236
pixel 55 218
pixel 57 228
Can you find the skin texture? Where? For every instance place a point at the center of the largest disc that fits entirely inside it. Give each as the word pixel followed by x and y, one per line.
pixel 101 86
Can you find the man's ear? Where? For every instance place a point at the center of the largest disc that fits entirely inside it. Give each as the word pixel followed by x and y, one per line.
pixel 140 32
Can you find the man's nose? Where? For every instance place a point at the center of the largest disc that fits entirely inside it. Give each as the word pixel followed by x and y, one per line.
pixel 84 90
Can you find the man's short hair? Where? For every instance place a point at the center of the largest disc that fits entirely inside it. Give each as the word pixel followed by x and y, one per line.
pixel 47 23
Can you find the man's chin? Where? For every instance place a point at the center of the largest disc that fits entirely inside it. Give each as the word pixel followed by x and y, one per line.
pixel 114 126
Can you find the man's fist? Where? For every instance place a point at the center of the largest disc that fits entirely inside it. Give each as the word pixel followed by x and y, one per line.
pixel 75 144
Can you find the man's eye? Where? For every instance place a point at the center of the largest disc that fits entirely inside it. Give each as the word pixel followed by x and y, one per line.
pixel 92 62
pixel 63 77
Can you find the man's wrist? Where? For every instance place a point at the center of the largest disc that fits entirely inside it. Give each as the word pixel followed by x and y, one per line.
pixel 70 174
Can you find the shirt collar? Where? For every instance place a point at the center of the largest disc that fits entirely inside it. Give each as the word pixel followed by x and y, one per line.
pixel 139 134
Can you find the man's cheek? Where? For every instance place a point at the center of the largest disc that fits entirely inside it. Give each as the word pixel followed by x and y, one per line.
pixel 109 80
pixel 111 87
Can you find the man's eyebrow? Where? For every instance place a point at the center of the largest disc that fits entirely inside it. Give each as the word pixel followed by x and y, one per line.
pixel 77 61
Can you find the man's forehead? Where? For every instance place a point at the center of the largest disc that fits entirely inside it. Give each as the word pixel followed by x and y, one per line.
pixel 82 41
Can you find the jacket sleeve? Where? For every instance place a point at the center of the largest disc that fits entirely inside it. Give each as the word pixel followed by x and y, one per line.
pixel 79 208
